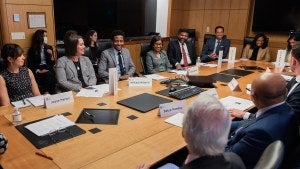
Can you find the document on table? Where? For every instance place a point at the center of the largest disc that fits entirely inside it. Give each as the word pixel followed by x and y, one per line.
pixel 155 77
pixel 176 119
pixel 37 100
pixel 21 103
pixel 49 125
pixel 94 91
pixel 179 72
pixel 237 103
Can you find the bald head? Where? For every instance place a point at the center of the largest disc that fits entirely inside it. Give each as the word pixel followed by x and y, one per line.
pixel 268 89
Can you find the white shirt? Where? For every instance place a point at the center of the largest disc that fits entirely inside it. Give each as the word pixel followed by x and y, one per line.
pixel 186 52
pixel 43 57
pixel 216 44
pixel 261 111
pixel 295 85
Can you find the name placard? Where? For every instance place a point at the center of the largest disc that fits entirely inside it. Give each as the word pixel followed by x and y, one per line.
pixel 59 99
pixel 139 82
pixel 193 70
pixel 231 55
pixel 168 109
pixel 234 85
pixel 211 92
pixel 113 80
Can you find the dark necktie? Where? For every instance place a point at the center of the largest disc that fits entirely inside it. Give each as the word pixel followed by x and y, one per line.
pixel 122 68
pixel 185 62
pixel 246 123
pixel 218 47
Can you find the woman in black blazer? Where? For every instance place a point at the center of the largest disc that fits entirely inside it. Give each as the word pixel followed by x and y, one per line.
pixel 41 61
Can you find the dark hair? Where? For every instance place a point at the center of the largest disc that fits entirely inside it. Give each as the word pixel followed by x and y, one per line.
pixel 296 37
pixel 264 45
pixel 10 50
pixel 218 27
pixel 116 33
pixel 71 45
pixel 154 39
pixel 183 30
pixel 87 37
pixel 296 53
pixel 68 34
pixel 37 40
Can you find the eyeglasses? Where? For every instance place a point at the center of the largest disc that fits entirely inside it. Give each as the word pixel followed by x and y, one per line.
pixel 60 135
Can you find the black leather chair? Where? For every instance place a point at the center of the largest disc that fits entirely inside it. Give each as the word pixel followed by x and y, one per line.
pixel 145 47
pixel 206 37
pixel 272 156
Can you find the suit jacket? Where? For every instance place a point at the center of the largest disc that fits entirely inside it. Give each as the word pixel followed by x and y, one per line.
pixel 210 46
pixel 175 55
pixel 227 160
pixel 34 59
pixel 154 64
pixel 108 60
pixel 250 141
pixel 67 75
pixel 293 99
pixel 263 54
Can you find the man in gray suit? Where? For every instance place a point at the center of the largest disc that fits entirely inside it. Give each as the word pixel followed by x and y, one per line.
pixel 118 57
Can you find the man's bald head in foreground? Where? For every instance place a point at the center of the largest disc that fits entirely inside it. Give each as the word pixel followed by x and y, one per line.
pixel 268 89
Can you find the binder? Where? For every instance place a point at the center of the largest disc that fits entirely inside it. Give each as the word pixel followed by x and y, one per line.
pixel 98 116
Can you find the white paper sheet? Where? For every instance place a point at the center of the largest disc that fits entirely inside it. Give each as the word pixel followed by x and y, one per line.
pixel 49 125
pixel 155 77
pixel 237 103
pixel 37 100
pixel 176 119
pixel 21 103
pixel 94 91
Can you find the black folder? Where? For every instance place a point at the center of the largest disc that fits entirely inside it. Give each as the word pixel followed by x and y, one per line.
pixel 252 68
pixel 98 116
pixel 236 72
pixel 223 77
pixel 143 102
pixel 47 140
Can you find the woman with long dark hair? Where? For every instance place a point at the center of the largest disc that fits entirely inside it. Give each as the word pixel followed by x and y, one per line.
pixel 258 49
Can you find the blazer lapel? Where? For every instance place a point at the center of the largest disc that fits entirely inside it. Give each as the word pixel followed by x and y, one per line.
pixel 72 67
pixel 112 55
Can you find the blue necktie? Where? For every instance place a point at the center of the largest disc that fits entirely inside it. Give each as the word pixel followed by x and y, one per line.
pixel 122 68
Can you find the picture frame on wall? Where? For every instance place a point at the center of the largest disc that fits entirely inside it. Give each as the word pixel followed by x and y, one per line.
pixel 36 20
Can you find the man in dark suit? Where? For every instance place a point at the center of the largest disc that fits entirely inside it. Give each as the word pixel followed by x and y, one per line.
pixel 215 44
pixel 273 120
pixel 118 57
pixel 205 129
pixel 181 52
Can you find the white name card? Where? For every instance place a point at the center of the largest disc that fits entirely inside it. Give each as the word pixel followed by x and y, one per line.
pixel 113 80
pixel 232 52
pixel 59 99
pixel 211 92
pixel 220 57
pixel 280 59
pixel 234 85
pixel 169 109
pixel 139 82
pixel 193 70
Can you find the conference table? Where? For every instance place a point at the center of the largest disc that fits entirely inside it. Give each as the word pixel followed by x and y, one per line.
pixel 146 139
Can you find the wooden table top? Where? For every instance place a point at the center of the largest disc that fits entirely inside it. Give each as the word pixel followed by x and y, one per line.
pixel 146 139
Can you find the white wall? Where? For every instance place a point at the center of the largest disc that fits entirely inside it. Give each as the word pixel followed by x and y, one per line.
pixel 162 17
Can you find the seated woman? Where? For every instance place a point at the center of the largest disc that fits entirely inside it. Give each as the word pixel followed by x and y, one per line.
pixel 16 82
pixel 157 59
pixel 293 40
pixel 75 71
pixel 41 61
pixel 258 50
pixel 91 49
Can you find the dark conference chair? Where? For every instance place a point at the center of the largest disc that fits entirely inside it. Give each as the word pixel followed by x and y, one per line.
pixel 272 156
pixel 145 47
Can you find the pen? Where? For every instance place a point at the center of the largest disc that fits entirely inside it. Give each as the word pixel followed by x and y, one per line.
pixel 43 155
pixel 89 114
pixel 237 103
pixel 248 89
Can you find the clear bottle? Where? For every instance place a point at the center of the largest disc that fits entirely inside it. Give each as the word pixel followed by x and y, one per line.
pixel 16 116
pixel 198 61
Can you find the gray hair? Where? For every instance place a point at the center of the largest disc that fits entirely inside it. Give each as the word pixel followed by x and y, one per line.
pixel 206 126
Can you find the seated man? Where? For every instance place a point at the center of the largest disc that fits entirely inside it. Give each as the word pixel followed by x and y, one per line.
pixel 181 53
pixel 272 121
pixel 205 130
pixel 213 45
pixel 118 57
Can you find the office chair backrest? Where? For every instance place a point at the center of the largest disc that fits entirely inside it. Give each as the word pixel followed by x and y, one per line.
pixel 206 37
pixel 103 45
pixel 60 50
pixel 272 156
pixel 249 40
pixel 145 47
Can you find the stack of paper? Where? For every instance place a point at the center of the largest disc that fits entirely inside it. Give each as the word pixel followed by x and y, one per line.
pixel 21 103
pixel 176 120
pixel 49 125
pixel 230 102
pixel 94 91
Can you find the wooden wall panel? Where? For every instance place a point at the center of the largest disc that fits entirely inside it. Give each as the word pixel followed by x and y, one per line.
pixel 22 25
pixel 239 4
pixel 237 24
pixel 194 4
pixel 176 21
pixel 177 4
pixel 194 19
pixel 135 50
pixel 217 4
pixel 37 2
pixel 213 18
